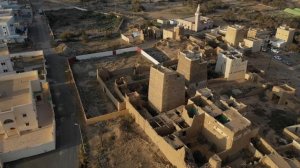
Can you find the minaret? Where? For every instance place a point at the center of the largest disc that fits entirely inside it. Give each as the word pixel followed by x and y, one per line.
pixel 197 18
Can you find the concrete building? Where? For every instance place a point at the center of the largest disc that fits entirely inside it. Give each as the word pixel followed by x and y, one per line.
pixel 235 34
pixel 26 115
pixel 9 33
pixel 196 23
pixel 23 62
pixel 231 64
pixel 5 62
pixel 259 34
pixel 285 33
pixel 133 36
pixel 166 89
pixel 174 34
pixel 193 68
pixel 252 43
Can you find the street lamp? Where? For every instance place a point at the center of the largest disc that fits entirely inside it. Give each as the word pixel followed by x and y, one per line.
pixel 76 124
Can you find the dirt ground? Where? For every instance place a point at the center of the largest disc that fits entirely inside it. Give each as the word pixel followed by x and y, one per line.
pixel 74 20
pixel 275 71
pixel 121 143
pixel 271 118
pixel 96 45
pixel 93 98
pixel 165 12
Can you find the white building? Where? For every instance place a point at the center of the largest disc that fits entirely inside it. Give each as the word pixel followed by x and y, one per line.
pixel 6 65
pixel 8 31
pixel 23 62
pixel 231 64
pixel 27 124
pixel 196 23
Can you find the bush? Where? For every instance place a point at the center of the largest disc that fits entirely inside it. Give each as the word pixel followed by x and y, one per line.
pixel 66 36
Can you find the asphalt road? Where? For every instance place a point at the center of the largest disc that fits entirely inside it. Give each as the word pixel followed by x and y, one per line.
pixel 66 105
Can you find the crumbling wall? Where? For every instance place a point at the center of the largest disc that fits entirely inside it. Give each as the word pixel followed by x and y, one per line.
pixel 176 157
pixel 119 105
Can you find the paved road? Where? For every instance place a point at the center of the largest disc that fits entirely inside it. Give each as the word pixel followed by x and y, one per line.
pixel 66 106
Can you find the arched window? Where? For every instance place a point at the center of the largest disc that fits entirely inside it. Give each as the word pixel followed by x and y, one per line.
pixel 7 121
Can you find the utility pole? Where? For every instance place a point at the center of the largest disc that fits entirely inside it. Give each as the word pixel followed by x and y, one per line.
pixel 81 137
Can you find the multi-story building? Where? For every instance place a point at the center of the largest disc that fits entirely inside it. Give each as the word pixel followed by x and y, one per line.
pixel 231 64
pixel 5 62
pixel 193 68
pixel 259 33
pixel 23 62
pixel 285 33
pixel 27 124
pixel 235 34
pixel 166 89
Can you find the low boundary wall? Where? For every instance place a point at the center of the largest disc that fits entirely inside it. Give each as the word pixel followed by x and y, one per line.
pixel 121 106
pixel 115 53
pixel 118 104
pixel 93 120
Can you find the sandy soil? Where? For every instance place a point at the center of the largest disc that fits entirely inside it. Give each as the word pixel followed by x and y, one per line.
pixel 121 143
pixel 93 98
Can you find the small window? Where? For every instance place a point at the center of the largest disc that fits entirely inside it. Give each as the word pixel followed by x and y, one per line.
pixel 5 70
pixel 24 115
pixel 12 128
pixel 2 63
pixel 27 124
pixel 7 121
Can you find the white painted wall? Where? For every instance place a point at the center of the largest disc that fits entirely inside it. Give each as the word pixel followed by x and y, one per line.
pixel 125 50
pixel 149 57
pixel 94 55
pixel 5 64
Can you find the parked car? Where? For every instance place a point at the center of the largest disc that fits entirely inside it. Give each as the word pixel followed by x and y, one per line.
pixel 277 57
pixel 276 51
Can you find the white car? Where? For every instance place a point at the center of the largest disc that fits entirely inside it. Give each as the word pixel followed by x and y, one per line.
pixel 275 50
pixel 277 57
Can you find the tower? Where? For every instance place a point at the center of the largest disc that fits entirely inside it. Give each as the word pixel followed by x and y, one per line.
pixel 235 34
pixel 197 18
pixel 166 89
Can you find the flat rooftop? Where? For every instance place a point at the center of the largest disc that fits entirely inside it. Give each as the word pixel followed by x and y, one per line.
pixel 164 69
pixel 26 62
pixel 15 89
pixel 285 27
pixel 236 26
pixel 236 121
pixel 191 55
pixel 4 19
pixel 232 54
